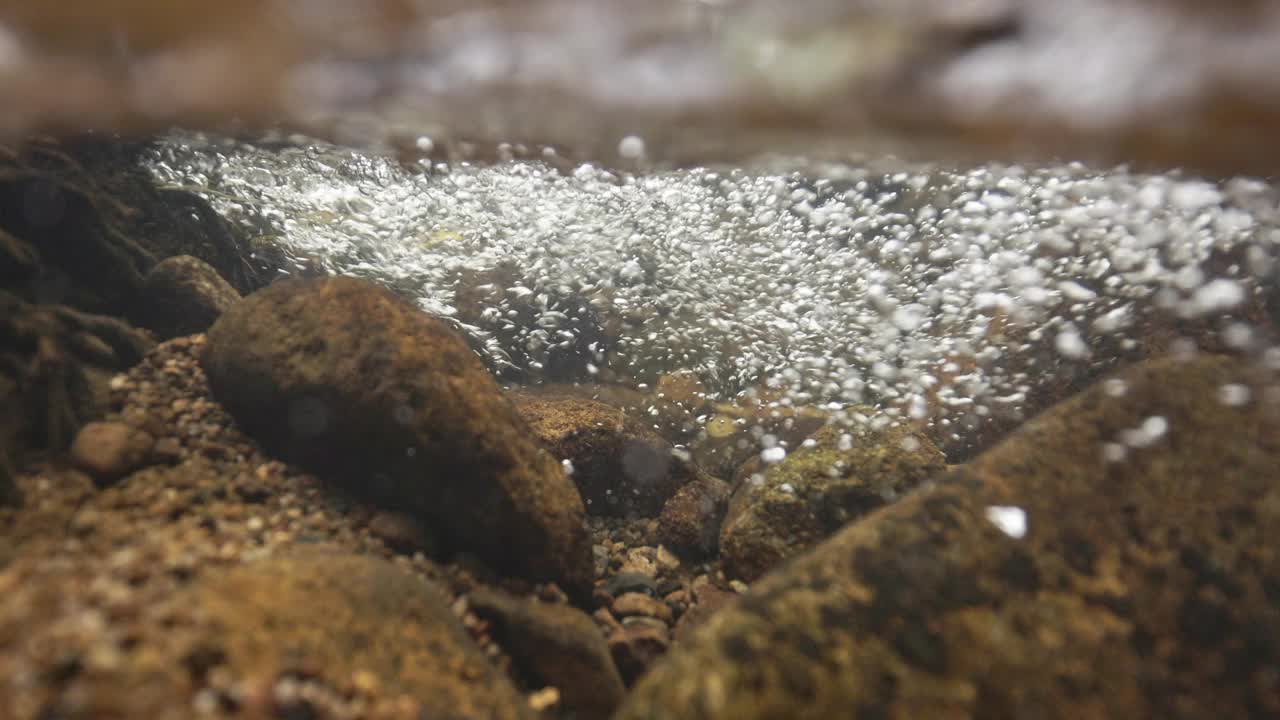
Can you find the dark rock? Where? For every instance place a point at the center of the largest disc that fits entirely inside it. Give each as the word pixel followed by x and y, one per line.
pixel 84 261
pixel 635 604
pixel 12 426
pixel 816 490
pixel 631 583
pixel 555 645
pixel 690 521
pixel 636 645
pixel 620 467
pixel 99 221
pixel 54 366
pixel 327 614
pixel 183 295
pixel 349 380
pixel 1142 587
pixel 19 262
pixel 110 450
pixel 402 533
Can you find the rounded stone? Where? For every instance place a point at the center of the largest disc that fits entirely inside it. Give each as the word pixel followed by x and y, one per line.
pixel 690 521
pixel 110 450
pixel 350 381
pixel 183 295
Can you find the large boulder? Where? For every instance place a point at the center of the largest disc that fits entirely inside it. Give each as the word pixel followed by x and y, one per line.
pixel 621 467
pixel 838 474
pixel 1114 558
pixel 347 379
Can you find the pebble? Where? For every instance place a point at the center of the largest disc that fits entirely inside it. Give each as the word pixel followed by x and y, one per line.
pixel 638 604
pixel 606 618
pixel 625 582
pixel 110 450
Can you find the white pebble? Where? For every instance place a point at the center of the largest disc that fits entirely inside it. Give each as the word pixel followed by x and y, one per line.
pixel 567 464
pixel 1010 519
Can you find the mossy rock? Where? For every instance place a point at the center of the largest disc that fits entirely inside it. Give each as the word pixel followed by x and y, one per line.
pixel 837 475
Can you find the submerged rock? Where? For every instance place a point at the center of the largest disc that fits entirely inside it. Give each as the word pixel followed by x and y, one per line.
pixel 55 364
pixel 690 520
pixel 183 295
pixel 637 644
pixel 1110 559
pixel 558 646
pixel 333 616
pixel 838 474
pixel 110 450
pixel 353 382
pixel 620 467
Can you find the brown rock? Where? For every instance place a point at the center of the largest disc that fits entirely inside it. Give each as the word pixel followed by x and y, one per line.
pixel 606 619
pixel 816 490
pixel 183 295
pixel 321 612
pixel 690 520
pixel 641 605
pixel 709 601
pixel 636 645
pixel 110 450
pixel 620 467
pixel 1138 586
pixel 555 645
pixel 347 379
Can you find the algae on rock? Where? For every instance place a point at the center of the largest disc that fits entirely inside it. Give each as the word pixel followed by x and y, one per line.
pixel 1136 586
pixel 838 474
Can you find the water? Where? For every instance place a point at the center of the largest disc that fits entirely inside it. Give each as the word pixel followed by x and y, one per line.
pixel 939 296
pixel 739 360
